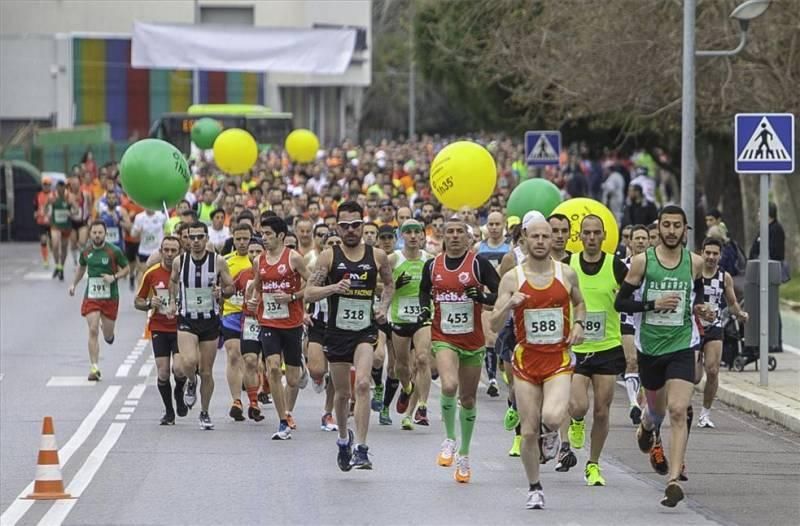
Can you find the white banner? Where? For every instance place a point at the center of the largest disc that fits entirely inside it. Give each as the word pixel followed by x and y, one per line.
pixel 234 48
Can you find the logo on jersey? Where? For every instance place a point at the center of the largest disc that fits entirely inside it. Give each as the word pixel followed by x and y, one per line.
pixel 463 278
pixel 341 266
pixel 365 266
pixel 281 269
pixel 104 260
pixel 450 296
pixel 352 276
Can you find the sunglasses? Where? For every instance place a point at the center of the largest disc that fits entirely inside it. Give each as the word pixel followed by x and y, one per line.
pixel 320 235
pixel 293 247
pixel 333 243
pixel 196 237
pixel 351 225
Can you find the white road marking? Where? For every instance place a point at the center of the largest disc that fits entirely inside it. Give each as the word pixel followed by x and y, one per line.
pixel 2 375
pixel 146 369
pixel 131 402
pixel 137 391
pixel 127 409
pixel 123 370
pixel 38 276
pixel 19 507
pixel 69 381
pixel 122 416
pixel 59 511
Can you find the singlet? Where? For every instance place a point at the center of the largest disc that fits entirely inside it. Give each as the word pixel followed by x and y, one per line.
pixel 112 219
pixel 236 264
pixel 352 311
pixel 602 326
pixel 204 212
pixel 542 321
pixel 493 254
pixel 405 307
pixel 714 294
pixel 519 255
pixel 279 277
pixel 667 332
pixel 40 203
pixel 60 212
pixel 105 259
pixel 197 279
pixel 150 231
pixel 456 317
pixel 155 282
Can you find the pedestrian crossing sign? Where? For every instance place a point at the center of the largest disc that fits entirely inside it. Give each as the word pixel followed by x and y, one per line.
pixel 764 143
pixel 542 148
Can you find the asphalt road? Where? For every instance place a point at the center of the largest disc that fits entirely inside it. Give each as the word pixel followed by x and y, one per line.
pixel 126 469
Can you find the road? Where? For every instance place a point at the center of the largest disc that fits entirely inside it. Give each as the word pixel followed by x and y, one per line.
pixel 126 469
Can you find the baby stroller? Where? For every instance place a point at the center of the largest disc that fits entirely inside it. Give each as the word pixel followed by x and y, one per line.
pixel 735 354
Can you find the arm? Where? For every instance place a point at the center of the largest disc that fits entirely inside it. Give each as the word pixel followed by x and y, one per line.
pixel 251 293
pixel 298 263
pixel 225 277
pixel 507 298
pixel 578 307
pixel 507 263
pixel 730 298
pixel 78 278
pixel 425 288
pixel 174 284
pixel 385 273
pixel 142 299
pixel 625 301
pixel 316 289
pixel 488 278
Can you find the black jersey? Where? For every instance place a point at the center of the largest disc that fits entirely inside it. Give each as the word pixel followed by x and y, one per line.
pixel 352 311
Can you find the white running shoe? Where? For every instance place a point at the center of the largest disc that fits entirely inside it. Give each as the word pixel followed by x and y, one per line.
pixel 535 500
pixel 446 453
pixel 550 445
pixel 705 420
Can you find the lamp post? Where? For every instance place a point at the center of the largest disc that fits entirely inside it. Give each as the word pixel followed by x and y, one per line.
pixel 744 13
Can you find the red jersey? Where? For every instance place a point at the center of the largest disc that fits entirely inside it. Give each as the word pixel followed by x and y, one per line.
pixel 456 318
pixel 274 278
pixel 40 205
pixel 542 321
pixel 155 282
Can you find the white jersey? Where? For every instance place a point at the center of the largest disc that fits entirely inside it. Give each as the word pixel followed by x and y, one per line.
pixel 218 237
pixel 150 230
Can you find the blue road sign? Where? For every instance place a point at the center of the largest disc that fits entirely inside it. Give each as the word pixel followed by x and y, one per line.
pixel 542 148
pixel 764 143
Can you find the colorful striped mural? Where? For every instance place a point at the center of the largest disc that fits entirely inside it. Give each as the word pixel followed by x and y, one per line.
pixel 107 89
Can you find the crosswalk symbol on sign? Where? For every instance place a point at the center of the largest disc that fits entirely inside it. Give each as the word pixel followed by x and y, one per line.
pixel 764 144
pixel 543 151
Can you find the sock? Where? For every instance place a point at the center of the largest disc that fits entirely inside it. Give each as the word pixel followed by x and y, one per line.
pixel 632 386
pixel 518 430
pixel 490 360
pixel 252 395
pixel 43 250
pixel 449 415
pixel 535 486
pixel 467 419
pixel 377 375
pixel 264 383
pixel 391 388
pixel 652 420
pixel 165 390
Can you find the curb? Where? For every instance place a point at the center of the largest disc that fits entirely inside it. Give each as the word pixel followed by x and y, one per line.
pixel 756 404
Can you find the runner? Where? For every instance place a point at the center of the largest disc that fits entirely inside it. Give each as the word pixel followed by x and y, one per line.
pixel 60 227
pixel 132 241
pixel 199 278
pixel 670 277
pixel 148 228
pixel 154 294
pixel 454 280
pixel 415 379
pixel 115 218
pixel 106 264
pixel 352 270
pixel 80 215
pixel 434 234
pixel 600 358
pixel 218 232
pixel 40 204
pixel 277 276
pixel 717 294
pixel 541 293
pixel 640 240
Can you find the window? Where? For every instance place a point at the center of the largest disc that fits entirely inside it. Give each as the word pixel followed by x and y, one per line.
pixel 227 16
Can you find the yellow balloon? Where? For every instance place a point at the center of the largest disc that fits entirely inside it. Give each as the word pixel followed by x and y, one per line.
pixel 463 174
pixel 302 145
pixel 235 151
pixel 578 208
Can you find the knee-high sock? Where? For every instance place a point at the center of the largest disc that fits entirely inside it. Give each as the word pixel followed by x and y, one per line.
pixel 449 415
pixel 467 419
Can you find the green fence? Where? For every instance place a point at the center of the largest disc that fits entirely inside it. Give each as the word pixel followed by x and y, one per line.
pixel 62 158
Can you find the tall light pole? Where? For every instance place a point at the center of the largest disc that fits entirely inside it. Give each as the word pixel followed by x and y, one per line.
pixel 412 93
pixel 743 13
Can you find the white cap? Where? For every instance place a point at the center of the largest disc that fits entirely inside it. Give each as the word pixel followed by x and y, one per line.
pixel 534 216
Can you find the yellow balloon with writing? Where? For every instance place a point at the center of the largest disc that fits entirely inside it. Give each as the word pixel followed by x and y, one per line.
pixel 578 208
pixel 463 174
pixel 235 151
pixel 302 145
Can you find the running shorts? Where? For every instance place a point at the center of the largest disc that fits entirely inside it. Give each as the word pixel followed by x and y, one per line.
pixel 473 358
pixel 539 367
pixel 165 344
pixel 286 342
pixel 107 308
pixel 205 329
pixel 340 346
pixel 610 362
pixel 654 371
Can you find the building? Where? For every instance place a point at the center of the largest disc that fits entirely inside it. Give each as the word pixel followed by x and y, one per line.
pixel 68 63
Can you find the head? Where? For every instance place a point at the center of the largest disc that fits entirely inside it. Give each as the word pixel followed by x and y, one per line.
pixel 320 233
pixel 61 188
pixel 640 239
pixel 273 231
pixel 303 229
pixel 538 238
pixel 672 226
pixel 712 250
pixel 635 193
pixel 218 219
pixel 350 223
pixel 626 235
pixel 370 234
pixel 112 200
pixel 333 240
pixel 373 208
pixel 560 226
pixel 241 237
pixel 652 230
pixel 413 233
pixel 182 206
pixel 188 217
pixel 170 248
pixel 469 215
pixel 427 212
pixel 437 224
pixel 386 212
pixel 182 231
pixel 718 233
pixel 495 224
pixel 208 196
pixel 772 212
pixel 47 185
pixel 713 218
pixel 386 238
pixel 456 236
pixel 254 249
pixel 290 241
pixel 330 222
pixel 403 214
pixel 313 211
pixel 593 233
pixel 97 233
pixel 198 237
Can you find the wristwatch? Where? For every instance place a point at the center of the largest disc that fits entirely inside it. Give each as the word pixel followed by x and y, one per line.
pixel 581 323
pixel 294 296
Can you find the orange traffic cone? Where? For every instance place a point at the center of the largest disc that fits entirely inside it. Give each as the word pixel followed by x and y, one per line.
pixel 48 484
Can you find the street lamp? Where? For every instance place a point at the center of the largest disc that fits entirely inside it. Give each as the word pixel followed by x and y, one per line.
pixel 743 13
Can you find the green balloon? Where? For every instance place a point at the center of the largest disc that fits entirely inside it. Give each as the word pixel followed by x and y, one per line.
pixel 534 194
pixel 205 131
pixel 154 173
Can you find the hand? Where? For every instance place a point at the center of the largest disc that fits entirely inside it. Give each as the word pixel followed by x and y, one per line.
pixel 517 299
pixel 307 321
pixel 282 298
pixel 380 316
pixel 172 310
pixel 155 302
pixel 252 303
pixel 475 294
pixel 424 315
pixel 342 287
pixel 109 278
pixel 71 290
pixel 743 316
pixel 575 335
pixel 668 302
pixel 402 280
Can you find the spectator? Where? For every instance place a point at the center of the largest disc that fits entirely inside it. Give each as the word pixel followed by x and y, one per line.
pixel 775 239
pixel 613 192
pixel 638 210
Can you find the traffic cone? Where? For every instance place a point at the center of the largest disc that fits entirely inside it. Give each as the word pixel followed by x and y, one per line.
pixel 48 484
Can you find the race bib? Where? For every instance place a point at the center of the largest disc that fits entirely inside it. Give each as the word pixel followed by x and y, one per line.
pixel 544 326
pixel 457 317
pixel 163 295
pixel 408 309
pixel 237 300
pixel 251 329
pixel 98 289
pixel 60 216
pixel 150 239
pixel 199 301
pixel 354 315
pixel 672 318
pixel 323 306
pixel 112 235
pixel 274 310
pixel 595 326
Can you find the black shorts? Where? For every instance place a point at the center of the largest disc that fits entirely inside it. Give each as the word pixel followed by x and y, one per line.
pixel 340 346
pixel 142 258
pixel 505 343
pixel 248 346
pixel 654 371
pixel 132 250
pixel 610 362
pixel 230 334
pixel 711 334
pixel 77 225
pixel 165 344
pixel 316 333
pixel 205 330
pixel 386 328
pixel 627 329
pixel 288 342
pixel 407 330
pixel 44 230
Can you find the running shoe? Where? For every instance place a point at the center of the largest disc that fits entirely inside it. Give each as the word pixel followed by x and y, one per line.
pixel 264 398
pixel 566 460
pixel 180 405
pixel 383 418
pixel 577 433
pixel 360 458
pixel 190 396
pixel 535 500
pixel 254 413
pixel 402 401
pixel 237 412
pixel 492 390
pixel 290 419
pixel 511 420
pixel 109 341
pixel 645 438
pixel 463 472
pixel 284 432
pixel 446 453
pixel 684 475
pixel 61 274
pixel 326 423
pixel 636 414
pixel 515 446
pixel 205 421
pixel 377 398
pixel 658 460
pixel 302 383
pixel 407 424
pixel 168 419
pixel 55 272
pixel 421 416
pixel 94 374
pixel 673 494
pixel 592 475
pixel 549 445
pixel 345 454
pixel 318 386
pixel 705 421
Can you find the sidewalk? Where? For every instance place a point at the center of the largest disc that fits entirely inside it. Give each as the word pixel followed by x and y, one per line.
pixel 779 402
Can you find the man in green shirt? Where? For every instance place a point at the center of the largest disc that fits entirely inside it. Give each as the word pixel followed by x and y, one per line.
pixel 106 264
pixel 59 211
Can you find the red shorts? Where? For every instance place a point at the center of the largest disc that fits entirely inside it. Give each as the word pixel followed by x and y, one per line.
pixel 108 308
pixel 539 367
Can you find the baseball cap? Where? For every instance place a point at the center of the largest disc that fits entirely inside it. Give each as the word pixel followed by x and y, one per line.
pixel 386 229
pixel 386 202
pixel 532 217
pixel 512 221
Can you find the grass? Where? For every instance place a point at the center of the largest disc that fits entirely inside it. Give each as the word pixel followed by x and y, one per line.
pixel 791 290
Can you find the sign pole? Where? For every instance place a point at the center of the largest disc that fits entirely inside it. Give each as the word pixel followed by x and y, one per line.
pixel 763 279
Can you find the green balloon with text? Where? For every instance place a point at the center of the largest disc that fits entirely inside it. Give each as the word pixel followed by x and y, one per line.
pixel 154 173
